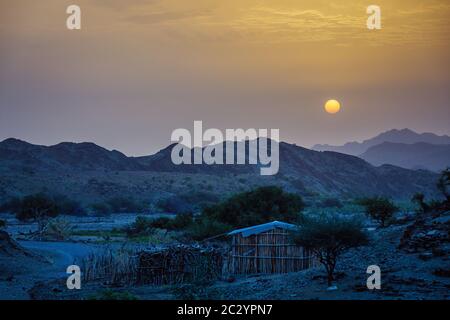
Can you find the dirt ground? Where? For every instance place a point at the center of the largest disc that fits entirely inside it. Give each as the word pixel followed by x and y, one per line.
pixel 403 276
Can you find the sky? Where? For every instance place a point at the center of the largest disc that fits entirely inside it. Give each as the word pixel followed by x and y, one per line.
pixel 139 69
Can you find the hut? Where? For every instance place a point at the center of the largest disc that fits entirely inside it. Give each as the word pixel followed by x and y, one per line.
pixel 267 248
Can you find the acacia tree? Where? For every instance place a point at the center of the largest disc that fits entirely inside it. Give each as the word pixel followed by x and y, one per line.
pixel 380 209
pixel 37 208
pixel 328 236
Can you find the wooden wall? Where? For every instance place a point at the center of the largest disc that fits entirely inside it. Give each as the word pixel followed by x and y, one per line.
pixel 268 252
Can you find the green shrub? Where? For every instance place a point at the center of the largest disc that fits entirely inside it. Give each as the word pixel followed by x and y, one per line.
pixel 161 223
pixel 57 229
pixel 443 184
pixel 100 208
pixel 261 205
pixel 68 206
pixel 419 200
pixel 181 221
pixel 140 227
pixel 206 228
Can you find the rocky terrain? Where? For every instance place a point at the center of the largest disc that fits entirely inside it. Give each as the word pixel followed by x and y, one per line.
pixel 88 173
pixel 412 253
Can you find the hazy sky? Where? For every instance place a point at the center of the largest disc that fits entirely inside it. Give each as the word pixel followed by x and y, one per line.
pixel 140 69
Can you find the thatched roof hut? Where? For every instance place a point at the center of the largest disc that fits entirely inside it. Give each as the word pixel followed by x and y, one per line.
pixel 267 248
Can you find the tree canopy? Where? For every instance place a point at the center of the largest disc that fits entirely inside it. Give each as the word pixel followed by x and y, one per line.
pixel 261 205
pixel 379 208
pixel 328 236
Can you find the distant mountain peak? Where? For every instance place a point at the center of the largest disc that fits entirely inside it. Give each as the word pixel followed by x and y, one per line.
pixel 405 135
pixel 12 141
pixel 434 157
pixel 15 144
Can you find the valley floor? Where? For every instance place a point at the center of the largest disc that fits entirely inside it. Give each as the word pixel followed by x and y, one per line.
pixel 404 276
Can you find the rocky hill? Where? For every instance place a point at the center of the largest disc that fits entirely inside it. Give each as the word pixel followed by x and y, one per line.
pixel 90 173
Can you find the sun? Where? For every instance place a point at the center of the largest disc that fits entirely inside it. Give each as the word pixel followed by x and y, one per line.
pixel 332 106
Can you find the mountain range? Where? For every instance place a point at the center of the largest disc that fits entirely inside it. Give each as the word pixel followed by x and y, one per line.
pixel 420 155
pixel 404 148
pixel 91 173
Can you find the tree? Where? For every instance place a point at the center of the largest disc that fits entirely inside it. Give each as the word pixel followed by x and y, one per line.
pixel 419 199
pixel 261 205
pixel 380 209
pixel 444 183
pixel 328 236
pixel 39 208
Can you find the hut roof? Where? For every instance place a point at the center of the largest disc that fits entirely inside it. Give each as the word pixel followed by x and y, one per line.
pixel 249 231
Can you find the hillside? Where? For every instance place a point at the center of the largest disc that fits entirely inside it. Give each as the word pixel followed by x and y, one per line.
pixel 411 156
pixel 91 174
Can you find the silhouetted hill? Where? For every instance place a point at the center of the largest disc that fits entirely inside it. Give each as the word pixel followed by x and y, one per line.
pixel 396 136
pixel 411 156
pixel 91 173
pixel 63 156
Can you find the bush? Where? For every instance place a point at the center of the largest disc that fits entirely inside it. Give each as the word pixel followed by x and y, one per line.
pixel 207 228
pixel 180 222
pixel 379 209
pixel 174 205
pixel 419 200
pixel 331 203
pixel 100 208
pixel 328 236
pixel 140 227
pixel 57 229
pixel 122 204
pixel 38 207
pixel 261 205
pixel 444 184
pixel 68 206
pixel 161 223
pixel 2 223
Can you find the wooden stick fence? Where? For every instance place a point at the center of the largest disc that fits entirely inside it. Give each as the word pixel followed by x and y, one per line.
pixel 170 265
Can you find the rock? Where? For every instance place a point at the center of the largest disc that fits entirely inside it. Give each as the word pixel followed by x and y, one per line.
pixel 426 255
pixel 10 248
pixel 432 233
pixel 429 231
pixel 332 288
pixel 442 272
